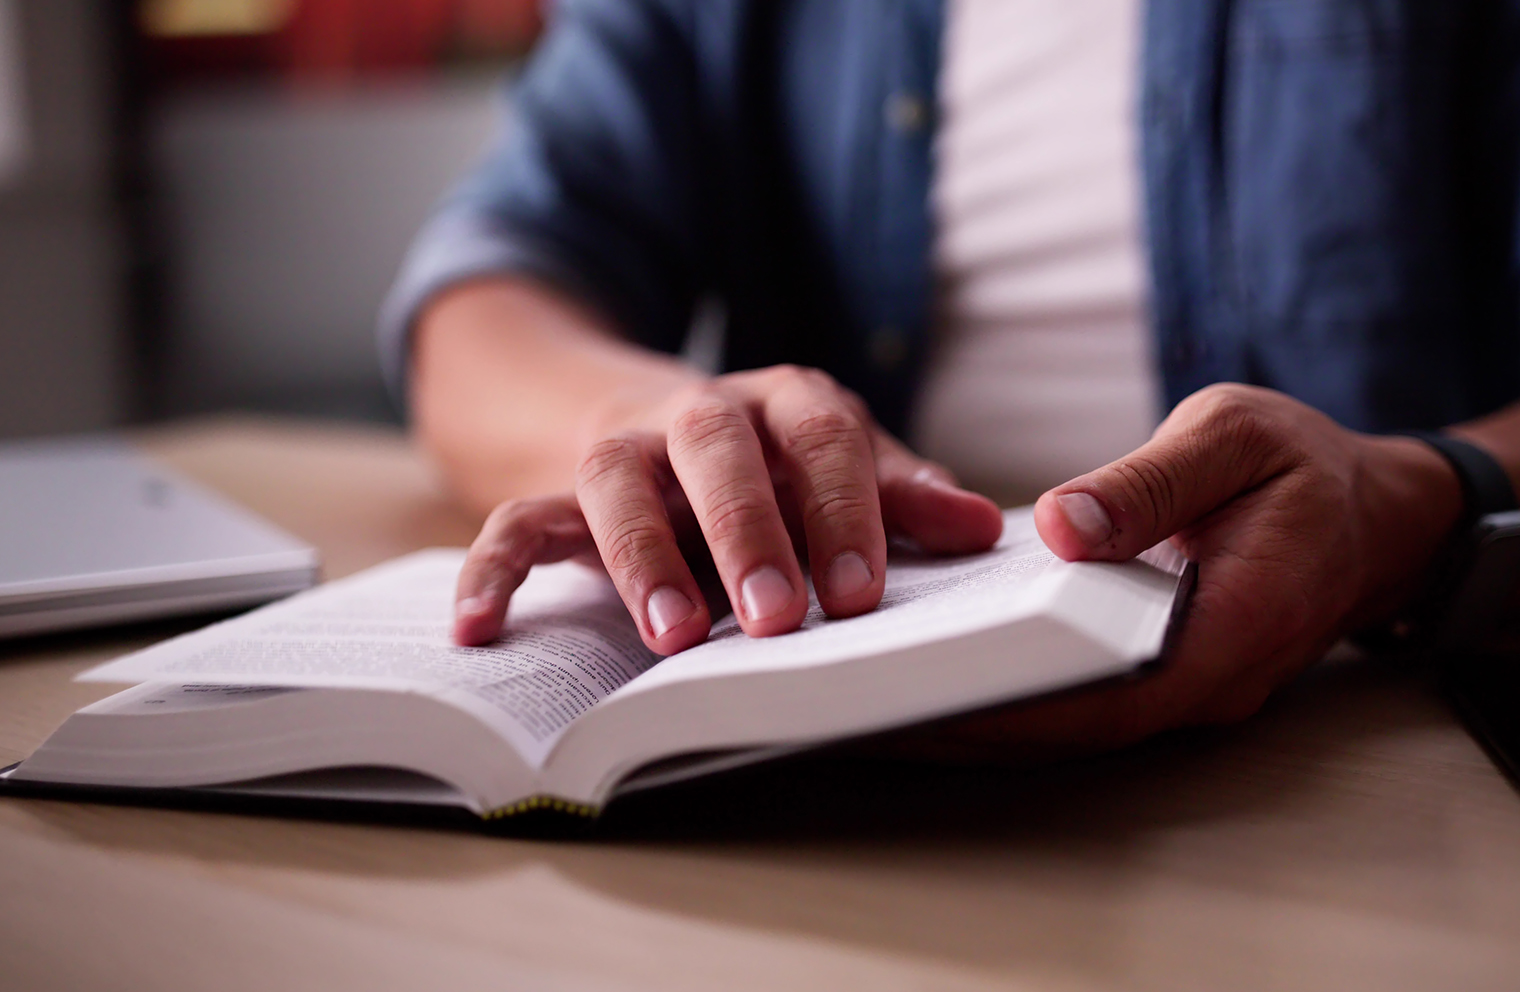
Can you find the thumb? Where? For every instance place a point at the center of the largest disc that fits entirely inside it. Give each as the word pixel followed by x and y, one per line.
pixel 1200 458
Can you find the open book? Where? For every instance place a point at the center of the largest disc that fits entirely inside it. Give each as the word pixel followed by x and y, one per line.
pixel 353 691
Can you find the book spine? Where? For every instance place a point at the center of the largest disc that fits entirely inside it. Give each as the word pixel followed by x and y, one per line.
pixel 547 803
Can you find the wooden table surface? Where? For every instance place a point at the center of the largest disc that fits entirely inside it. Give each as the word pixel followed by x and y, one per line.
pixel 1352 836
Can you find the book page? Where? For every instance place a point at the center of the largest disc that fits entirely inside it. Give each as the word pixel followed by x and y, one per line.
pixel 926 599
pixel 570 643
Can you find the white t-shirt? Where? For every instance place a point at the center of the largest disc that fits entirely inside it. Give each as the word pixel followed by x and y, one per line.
pixel 1041 367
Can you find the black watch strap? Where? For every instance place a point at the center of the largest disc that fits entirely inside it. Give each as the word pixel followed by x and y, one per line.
pixel 1485 485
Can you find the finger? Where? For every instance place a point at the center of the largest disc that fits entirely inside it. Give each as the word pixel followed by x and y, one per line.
pixel 1213 447
pixel 618 486
pixel 920 501
pixel 516 536
pixel 823 444
pixel 716 454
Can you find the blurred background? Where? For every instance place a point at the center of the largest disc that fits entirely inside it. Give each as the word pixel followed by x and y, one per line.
pixel 202 202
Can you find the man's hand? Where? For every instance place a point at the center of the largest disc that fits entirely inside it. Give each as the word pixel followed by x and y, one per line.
pixel 1303 532
pixel 746 464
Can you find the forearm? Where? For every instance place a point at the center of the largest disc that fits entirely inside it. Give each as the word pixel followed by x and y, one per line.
pixel 504 372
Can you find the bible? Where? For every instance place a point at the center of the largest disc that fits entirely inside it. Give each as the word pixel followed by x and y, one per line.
pixel 353 691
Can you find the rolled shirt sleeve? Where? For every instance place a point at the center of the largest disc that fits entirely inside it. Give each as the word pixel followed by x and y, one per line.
pixel 591 186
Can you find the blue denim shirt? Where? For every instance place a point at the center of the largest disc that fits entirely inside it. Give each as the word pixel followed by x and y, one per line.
pixel 1330 185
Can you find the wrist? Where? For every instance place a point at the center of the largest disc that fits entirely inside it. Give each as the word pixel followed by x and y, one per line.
pixel 1413 503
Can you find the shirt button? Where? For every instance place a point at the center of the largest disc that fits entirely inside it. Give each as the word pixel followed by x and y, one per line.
pixel 888 347
pixel 906 112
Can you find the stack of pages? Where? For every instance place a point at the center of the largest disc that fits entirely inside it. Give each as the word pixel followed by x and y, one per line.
pixel 352 691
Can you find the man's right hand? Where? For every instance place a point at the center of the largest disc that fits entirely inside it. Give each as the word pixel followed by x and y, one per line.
pixel 748 462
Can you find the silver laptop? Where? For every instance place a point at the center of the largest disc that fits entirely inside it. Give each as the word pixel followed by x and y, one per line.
pixel 92 533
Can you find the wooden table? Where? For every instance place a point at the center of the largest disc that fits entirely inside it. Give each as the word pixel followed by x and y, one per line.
pixel 1353 836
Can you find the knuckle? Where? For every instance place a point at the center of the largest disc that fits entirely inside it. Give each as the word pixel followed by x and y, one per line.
pixel 700 392
pixel 507 539
pixel 1226 400
pixel 1239 414
pixel 632 544
pixel 824 434
pixel 503 517
pixel 1229 431
pixel 817 379
pixel 733 509
pixel 831 454
pixel 706 422
pixel 791 372
pixel 803 378
pixel 510 521
pixel 1146 484
pixel 605 457
pixel 834 504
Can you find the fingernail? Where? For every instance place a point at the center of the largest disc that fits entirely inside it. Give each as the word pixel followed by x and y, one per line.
pixel 471 606
pixel 764 593
pixel 668 608
pixel 848 574
pixel 1087 517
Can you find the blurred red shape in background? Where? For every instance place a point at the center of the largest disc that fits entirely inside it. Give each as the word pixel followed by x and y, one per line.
pixel 338 41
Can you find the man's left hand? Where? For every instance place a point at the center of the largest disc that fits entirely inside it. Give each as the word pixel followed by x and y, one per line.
pixel 1303 532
